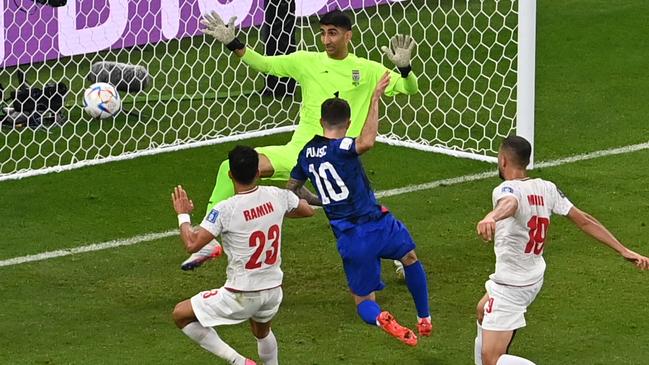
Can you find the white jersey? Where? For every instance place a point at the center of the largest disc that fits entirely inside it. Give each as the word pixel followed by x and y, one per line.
pixel 519 239
pixel 250 226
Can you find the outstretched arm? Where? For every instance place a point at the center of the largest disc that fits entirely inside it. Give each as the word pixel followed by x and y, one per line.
pixel 403 85
pixel 400 53
pixel 505 208
pixel 592 227
pixel 284 65
pixel 193 238
pixel 298 188
pixel 366 140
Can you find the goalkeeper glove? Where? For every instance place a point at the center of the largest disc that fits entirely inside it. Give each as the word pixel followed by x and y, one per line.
pixel 224 33
pixel 400 52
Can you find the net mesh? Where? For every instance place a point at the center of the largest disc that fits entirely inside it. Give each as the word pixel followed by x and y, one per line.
pixel 200 93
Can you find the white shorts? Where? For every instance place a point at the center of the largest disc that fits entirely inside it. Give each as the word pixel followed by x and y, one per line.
pixel 506 307
pixel 220 306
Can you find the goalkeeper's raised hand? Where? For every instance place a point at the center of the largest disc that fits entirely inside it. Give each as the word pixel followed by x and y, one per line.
pixel 224 33
pixel 400 52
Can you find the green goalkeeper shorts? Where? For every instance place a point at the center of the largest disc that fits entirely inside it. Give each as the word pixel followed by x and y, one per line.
pixel 283 158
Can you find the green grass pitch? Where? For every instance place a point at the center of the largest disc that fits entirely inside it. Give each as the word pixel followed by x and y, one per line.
pixel 114 306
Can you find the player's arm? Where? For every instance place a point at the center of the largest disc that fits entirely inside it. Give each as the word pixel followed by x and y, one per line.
pixel 303 210
pixel 505 208
pixel 366 140
pixel 403 85
pixel 298 188
pixel 592 227
pixel 284 65
pixel 400 53
pixel 193 238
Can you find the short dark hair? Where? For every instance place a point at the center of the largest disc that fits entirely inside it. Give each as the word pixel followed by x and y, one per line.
pixel 520 148
pixel 244 163
pixel 335 112
pixel 338 19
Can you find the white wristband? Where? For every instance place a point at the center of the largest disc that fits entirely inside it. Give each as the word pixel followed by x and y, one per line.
pixel 184 218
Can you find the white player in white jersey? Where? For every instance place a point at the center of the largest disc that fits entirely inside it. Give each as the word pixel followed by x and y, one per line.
pixel 250 225
pixel 518 225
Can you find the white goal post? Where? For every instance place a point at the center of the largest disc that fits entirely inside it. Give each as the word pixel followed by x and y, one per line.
pixel 475 62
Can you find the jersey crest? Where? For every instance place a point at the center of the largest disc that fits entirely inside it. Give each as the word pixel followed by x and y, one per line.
pixel 356 77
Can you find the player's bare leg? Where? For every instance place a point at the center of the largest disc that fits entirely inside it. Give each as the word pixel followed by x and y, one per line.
pixel 266 342
pixel 477 350
pixel 206 337
pixel 418 286
pixel 213 249
pixel 371 313
pixel 494 345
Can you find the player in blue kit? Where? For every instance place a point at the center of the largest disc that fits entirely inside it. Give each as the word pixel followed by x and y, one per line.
pixel 365 231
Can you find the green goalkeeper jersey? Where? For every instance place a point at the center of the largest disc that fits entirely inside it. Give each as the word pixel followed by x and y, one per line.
pixel 321 77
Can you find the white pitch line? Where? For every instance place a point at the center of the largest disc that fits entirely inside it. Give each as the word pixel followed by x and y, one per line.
pixel 381 194
pixel 596 154
pixel 89 248
pixel 436 183
pixel 488 174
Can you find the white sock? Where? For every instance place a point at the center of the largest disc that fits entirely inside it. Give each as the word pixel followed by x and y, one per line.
pixel 267 349
pixel 513 360
pixel 477 350
pixel 210 341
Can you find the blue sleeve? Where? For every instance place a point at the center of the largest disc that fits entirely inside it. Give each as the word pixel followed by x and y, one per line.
pixel 298 173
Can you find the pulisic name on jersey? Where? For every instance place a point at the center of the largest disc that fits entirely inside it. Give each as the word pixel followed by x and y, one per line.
pixel 316 152
pixel 259 211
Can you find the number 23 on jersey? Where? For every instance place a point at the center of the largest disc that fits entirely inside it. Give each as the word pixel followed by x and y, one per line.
pixel 266 244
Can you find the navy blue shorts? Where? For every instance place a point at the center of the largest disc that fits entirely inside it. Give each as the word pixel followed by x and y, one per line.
pixel 364 245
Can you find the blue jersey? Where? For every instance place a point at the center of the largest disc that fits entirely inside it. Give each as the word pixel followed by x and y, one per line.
pixel 364 231
pixel 335 170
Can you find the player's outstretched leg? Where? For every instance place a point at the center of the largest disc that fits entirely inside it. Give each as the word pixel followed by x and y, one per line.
pixel 370 312
pixel 390 325
pixel 206 337
pixel 223 189
pixel 418 286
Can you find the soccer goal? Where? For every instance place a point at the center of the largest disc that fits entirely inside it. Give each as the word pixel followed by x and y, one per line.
pixel 474 61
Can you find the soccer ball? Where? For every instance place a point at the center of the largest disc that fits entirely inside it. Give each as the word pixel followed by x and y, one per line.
pixel 101 100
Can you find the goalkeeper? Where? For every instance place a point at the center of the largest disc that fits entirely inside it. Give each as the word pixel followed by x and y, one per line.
pixel 334 73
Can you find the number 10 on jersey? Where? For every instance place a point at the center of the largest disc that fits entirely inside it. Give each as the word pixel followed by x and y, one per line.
pixel 321 176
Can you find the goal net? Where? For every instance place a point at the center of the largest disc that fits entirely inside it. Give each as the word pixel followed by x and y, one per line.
pixel 467 62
